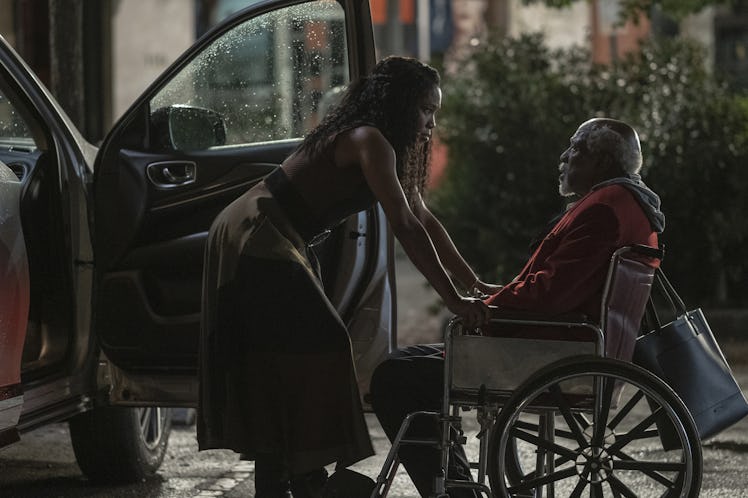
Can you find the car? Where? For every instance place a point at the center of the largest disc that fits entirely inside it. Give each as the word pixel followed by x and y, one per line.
pixel 101 248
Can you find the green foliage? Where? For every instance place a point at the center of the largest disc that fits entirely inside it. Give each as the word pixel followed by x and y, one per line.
pixel 509 114
pixel 505 122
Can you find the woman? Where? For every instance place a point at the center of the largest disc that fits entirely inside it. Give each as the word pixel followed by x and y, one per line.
pixel 277 378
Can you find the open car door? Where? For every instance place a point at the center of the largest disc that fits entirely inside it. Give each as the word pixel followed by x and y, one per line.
pixel 223 116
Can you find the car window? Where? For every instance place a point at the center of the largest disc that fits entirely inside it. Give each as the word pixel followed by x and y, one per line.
pixel 270 78
pixel 14 132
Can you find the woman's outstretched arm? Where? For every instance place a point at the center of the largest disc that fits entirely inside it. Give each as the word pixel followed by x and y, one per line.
pixel 377 159
pixel 449 254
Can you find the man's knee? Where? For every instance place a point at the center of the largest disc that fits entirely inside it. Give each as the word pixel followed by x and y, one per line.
pixel 414 382
pixel 381 384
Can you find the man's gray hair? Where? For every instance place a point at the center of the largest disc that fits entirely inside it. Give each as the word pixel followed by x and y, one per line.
pixel 602 139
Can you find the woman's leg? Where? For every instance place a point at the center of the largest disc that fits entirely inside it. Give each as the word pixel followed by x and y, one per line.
pixel 272 481
pixel 309 485
pixel 271 477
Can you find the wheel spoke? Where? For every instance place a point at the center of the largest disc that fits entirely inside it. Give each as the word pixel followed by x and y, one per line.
pixel 556 463
pixel 602 417
pixel 636 432
pixel 526 425
pixel 642 466
pixel 530 484
pixel 577 492
pixel 647 434
pixel 543 443
pixel 560 433
pixel 619 488
pixel 624 411
pixel 596 490
pixel 582 420
pixel 557 432
pixel 565 410
pixel 651 473
pixel 651 469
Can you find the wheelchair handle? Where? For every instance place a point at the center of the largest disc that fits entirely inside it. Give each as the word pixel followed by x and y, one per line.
pixel 652 252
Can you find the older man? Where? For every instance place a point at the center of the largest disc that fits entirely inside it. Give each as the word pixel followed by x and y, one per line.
pixel 615 208
pixel 566 273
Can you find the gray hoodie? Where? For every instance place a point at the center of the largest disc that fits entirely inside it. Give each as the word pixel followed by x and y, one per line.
pixel 649 201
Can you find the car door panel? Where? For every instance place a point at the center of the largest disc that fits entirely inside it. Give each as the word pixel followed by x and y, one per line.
pixel 158 189
pixel 145 212
pixel 149 302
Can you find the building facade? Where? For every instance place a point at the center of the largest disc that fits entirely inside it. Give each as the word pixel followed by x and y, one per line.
pixel 97 56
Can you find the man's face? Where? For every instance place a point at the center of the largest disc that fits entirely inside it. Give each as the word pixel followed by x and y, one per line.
pixel 579 168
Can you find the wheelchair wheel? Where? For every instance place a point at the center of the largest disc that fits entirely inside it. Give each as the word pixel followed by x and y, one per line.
pixel 594 427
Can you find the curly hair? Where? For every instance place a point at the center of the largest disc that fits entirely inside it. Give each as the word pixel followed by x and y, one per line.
pixel 389 99
pixel 617 140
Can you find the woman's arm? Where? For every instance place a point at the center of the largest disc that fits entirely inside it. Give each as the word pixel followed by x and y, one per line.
pixel 377 160
pixel 449 254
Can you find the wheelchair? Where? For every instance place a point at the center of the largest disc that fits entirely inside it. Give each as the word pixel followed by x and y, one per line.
pixel 562 410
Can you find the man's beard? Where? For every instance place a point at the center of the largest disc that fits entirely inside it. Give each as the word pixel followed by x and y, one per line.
pixel 563 187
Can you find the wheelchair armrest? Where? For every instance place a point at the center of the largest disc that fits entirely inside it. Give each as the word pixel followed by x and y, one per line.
pixel 500 315
pixel 532 325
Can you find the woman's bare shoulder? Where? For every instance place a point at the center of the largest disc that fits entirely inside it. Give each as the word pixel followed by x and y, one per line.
pixel 362 141
pixel 363 135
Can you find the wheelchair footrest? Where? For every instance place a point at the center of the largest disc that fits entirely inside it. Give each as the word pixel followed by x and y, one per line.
pixel 421 442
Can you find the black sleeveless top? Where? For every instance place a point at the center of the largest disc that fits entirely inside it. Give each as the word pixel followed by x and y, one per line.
pixel 307 220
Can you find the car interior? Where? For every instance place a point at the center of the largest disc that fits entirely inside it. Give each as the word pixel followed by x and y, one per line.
pixel 31 156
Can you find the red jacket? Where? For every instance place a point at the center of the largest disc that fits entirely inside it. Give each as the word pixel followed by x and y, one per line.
pixel 567 271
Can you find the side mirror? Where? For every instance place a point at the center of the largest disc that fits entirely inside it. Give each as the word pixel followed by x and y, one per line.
pixel 183 127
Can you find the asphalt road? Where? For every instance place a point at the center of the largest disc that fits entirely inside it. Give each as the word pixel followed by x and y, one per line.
pixel 43 465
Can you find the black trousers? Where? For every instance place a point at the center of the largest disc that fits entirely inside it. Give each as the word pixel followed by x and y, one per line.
pixel 412 380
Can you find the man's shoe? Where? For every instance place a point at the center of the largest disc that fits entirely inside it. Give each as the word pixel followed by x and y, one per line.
pixel 309 485
pixel 346 483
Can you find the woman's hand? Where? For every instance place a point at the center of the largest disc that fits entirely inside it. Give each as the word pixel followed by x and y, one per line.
pixel 482 290
pixel 473 312
pixel 489 289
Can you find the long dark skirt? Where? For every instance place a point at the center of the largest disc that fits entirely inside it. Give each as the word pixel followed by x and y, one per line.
pixel 276 368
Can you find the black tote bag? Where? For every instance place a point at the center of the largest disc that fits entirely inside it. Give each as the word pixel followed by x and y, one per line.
pixel 685 354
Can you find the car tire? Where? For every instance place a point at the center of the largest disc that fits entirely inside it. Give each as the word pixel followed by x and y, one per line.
pixel 120 445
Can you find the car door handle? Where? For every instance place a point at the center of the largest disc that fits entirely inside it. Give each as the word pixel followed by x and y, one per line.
pixel 171 174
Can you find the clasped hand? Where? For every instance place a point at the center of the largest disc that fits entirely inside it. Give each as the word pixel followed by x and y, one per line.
pixel 472 311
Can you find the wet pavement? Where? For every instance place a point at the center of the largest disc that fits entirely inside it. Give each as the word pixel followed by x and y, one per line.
pixel 43 465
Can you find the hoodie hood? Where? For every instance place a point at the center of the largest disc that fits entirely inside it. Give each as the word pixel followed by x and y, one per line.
pixel 649 201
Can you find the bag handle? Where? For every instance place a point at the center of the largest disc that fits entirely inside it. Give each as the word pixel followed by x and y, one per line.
pixel 651 319
pixel 669 292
